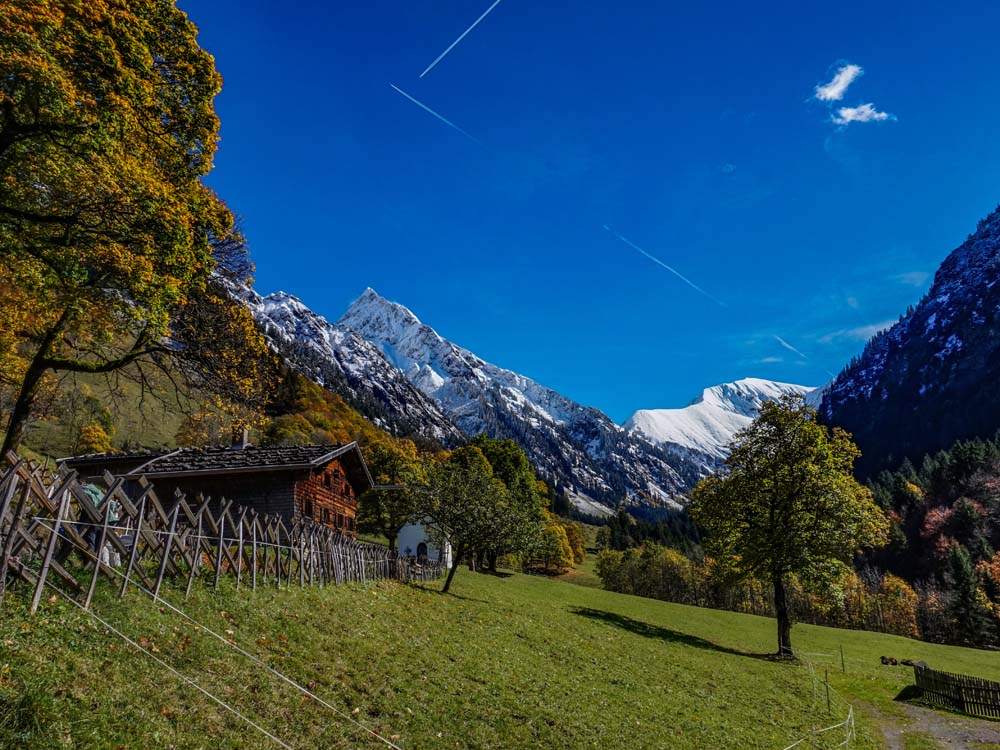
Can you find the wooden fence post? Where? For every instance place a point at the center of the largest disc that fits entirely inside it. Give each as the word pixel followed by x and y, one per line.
pixel 166 551
pixel 102 540
pixel 8 542
pixel 49 551
pixel 239 548
pixel 135 546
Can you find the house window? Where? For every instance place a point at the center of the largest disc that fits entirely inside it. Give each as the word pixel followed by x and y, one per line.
pixel 309 507
pixel 328 481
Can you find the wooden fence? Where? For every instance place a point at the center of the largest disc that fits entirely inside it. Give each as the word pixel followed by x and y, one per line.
pixel 971 695
pixel 48 520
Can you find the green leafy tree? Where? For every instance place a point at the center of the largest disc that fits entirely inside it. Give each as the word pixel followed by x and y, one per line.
pixel 466 505
pixel 107 230
pixel 401 471
pixel 788 505
pixel 522 522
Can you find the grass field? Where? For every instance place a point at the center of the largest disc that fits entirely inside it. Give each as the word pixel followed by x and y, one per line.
pixel 504 662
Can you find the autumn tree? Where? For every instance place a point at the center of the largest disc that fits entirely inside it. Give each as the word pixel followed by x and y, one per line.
pixel 401 476
pixel 787 504
pixel 107 230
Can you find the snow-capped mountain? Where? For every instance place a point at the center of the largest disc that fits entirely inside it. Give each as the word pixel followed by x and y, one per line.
pixel 595 461
pixel 346 363
pixel 408 379
pixel 930 379
pixel 704 429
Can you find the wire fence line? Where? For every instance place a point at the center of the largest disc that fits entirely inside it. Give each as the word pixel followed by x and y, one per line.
pixel 137 542
pixel 839 734
pixel 138 538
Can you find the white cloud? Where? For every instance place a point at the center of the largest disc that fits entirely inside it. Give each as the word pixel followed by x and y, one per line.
pixel 834 90
pixel 861 113
pixel 853 303
pixel 861 333
pixel 912 278
pixel 770 360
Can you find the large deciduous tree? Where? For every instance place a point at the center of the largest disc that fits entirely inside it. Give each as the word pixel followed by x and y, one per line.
pixel 107 127
pixel 788 504
pixel 521 525
pixel 466 504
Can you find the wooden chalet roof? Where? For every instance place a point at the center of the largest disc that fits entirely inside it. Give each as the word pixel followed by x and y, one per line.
pixel 221 460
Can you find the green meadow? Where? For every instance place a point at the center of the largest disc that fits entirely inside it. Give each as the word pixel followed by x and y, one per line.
pixel 503 662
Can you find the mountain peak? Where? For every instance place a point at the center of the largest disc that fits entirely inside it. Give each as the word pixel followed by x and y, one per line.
pixel 709 423
pixel 371 308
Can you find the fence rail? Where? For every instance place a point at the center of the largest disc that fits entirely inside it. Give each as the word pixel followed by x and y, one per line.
pixel 45 521
pixel 972 695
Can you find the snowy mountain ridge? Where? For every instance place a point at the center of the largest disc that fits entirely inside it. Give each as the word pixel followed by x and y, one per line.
pixel 347 363
pixel 449 374
pixel 594 461
pixel 411 381
pixel 707 425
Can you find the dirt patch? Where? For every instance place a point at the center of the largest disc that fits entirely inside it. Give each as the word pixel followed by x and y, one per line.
pixel 922 726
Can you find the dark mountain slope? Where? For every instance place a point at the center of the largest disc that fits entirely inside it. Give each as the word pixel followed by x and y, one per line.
pixel 934 377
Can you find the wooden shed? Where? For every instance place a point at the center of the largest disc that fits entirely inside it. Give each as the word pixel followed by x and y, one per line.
pixel 321 482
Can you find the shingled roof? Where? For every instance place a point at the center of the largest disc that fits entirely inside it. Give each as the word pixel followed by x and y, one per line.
pixel 191 462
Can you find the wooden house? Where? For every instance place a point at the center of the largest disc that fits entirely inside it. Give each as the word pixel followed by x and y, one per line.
pixel 321 482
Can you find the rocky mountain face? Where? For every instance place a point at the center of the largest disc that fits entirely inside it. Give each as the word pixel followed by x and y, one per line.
pixel 594 461
pixel 411 381
pixel 930 379
pixel 703 430
pixel 347 363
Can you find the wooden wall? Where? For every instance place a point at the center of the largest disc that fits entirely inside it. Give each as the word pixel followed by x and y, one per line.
pixel 327 497
pixel 324 495
pixel 269 492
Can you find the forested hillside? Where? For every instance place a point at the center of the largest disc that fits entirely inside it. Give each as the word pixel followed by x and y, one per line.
pixel 930 379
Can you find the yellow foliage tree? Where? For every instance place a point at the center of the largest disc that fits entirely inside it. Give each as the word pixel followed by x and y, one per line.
pixel 107 230
pixel 93 439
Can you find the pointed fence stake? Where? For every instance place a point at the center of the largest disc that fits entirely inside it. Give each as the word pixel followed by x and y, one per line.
pixel 135 546
pixel 167 545
pixel 49 551
pixel 8 543
pixel 196 561
pixel 102 540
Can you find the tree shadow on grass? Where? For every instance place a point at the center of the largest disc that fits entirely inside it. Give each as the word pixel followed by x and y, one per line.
pixel 496 573
pixel 433 588
pixel 666 634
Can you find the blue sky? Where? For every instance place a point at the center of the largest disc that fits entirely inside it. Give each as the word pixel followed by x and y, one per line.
pixel 694 130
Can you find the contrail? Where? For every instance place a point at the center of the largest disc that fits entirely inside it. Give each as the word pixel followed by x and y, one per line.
pixel 788 346
pixel 445 120
pixel 659 262
pixel 453 44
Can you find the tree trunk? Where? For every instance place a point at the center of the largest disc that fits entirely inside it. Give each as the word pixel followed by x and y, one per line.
pixel 30 386
pixel 456 561
pixel 784 621
pixel 22 407
pixel 493 561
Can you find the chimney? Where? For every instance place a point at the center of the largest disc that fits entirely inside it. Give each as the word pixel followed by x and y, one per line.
pixel 241 440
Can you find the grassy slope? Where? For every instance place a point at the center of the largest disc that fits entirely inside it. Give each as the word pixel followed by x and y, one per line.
pixel 518 662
